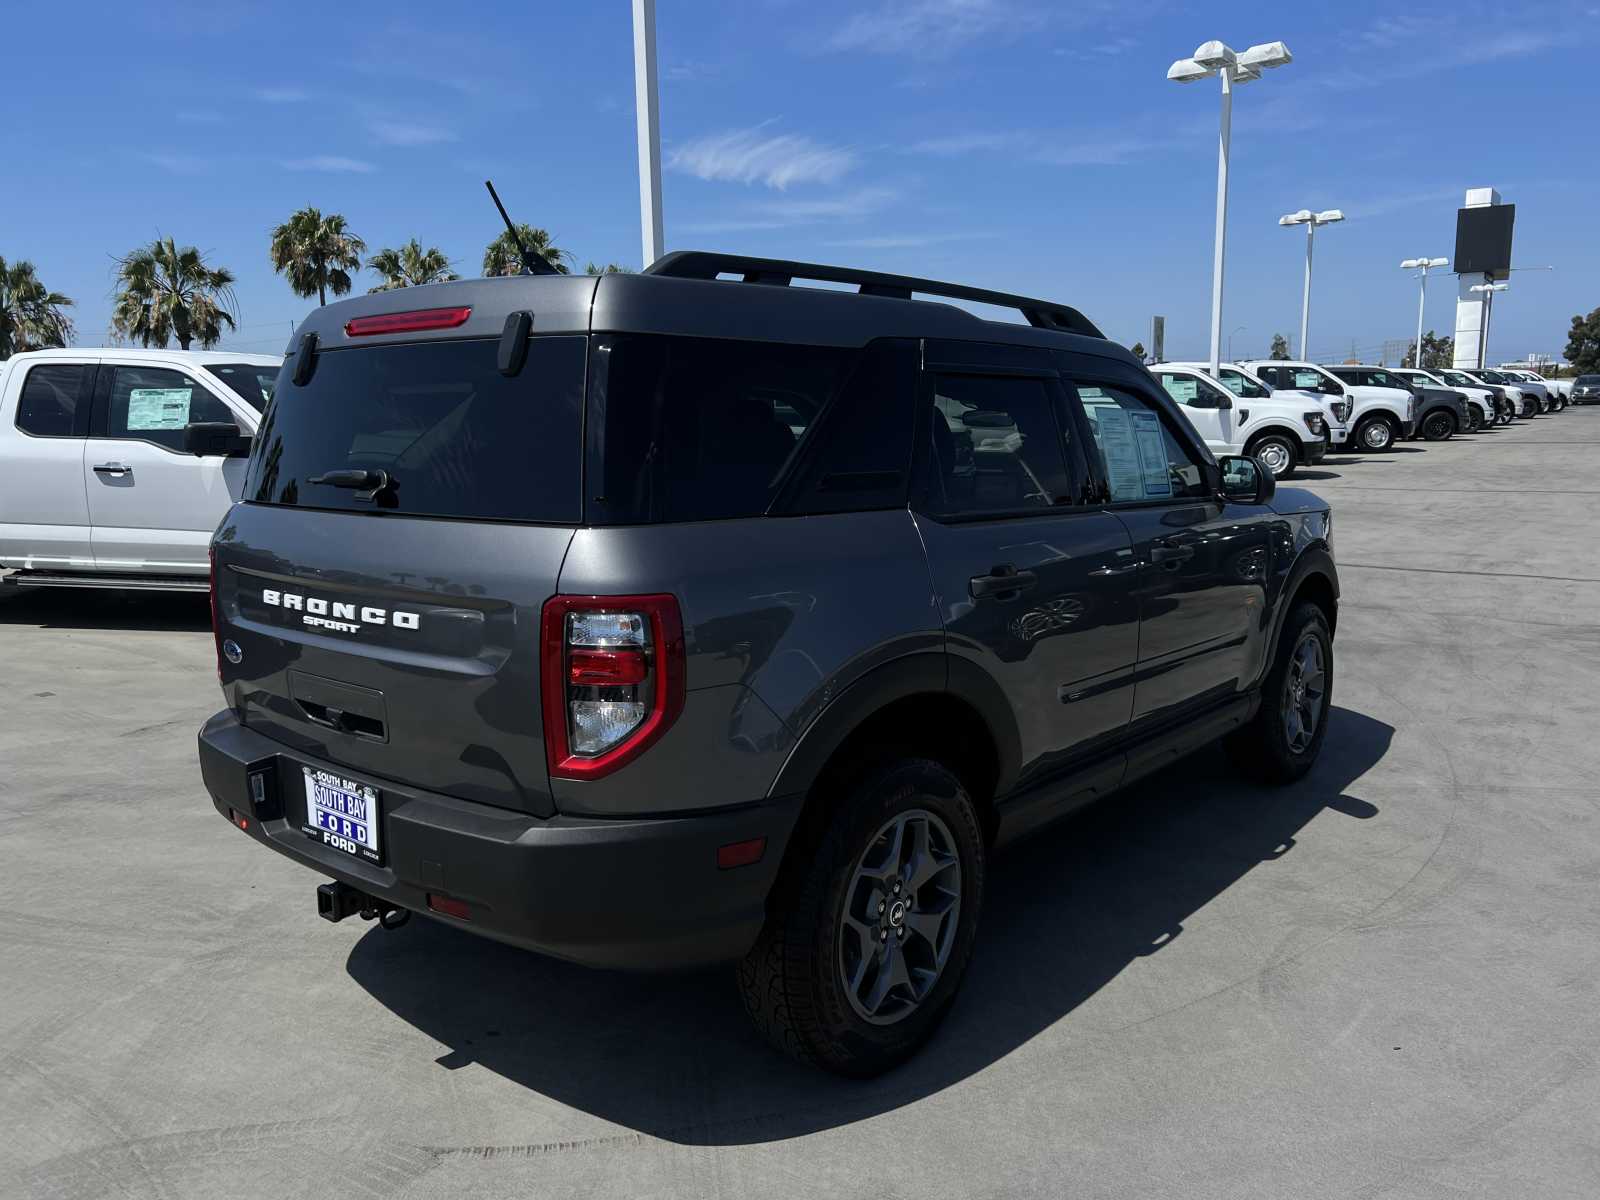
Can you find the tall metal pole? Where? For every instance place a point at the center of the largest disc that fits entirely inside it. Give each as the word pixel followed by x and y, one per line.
pixel 1222 222
pixel 1422 299
pixel 1305 295
pixel 647 102
pixel 1483 342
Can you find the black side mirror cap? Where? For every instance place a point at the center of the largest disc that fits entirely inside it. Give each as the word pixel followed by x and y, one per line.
pixel 215 439
pixel 1246 480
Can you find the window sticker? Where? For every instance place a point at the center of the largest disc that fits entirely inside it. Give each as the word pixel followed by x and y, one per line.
pixel 1181 388
pixel 1121 455
pixel 158 408
pixel 1152 454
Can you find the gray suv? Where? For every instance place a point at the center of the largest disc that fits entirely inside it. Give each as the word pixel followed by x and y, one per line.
pixel 691 617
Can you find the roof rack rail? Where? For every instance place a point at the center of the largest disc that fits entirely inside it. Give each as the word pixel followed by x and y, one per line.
pixel 706 264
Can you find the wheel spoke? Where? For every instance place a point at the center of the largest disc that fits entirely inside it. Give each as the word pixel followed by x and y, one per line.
pixel 891 974
pixel 1314 682
pixel 927 926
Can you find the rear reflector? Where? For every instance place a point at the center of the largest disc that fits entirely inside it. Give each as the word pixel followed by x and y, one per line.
pixel 239 819
pixel 606 668
pixel 407 322
pixel 741 854
pixel 450 907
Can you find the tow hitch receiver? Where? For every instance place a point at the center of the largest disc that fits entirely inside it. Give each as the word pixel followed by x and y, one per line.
pixel 336 901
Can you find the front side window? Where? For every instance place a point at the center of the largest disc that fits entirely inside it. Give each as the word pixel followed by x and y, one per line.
pixel 1140 457
pixel 1312 380
pixel 1190 390
pixel 1242 385
pixel 52 403
pixel 1389 379
pixel 153 404
pixel 995 447
pixel 251 383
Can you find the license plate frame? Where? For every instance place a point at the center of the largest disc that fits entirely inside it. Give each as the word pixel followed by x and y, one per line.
pixel 343 814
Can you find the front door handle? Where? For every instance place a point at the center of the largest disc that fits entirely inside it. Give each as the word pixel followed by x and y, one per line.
pixel 1003 582
pixel 1166 552
pixel 113 468
pixel 1125 569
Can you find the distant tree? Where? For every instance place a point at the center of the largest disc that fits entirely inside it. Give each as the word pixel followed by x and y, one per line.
pixel 1280 347
pixel 410 266
pixel 500 257
pixel 166 290
pixel 608 269
pixel 1583 344
pixel 1138 350
pixel 31 316
pixel 317 253
pixel 1437 352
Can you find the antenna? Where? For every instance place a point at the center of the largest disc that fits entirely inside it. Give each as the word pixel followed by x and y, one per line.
pixel 531 263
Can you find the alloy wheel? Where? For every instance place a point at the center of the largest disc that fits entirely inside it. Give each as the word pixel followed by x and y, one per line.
pixel 1305 690
pixel 900 915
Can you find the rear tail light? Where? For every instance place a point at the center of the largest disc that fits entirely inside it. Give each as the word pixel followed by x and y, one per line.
pixel 613 677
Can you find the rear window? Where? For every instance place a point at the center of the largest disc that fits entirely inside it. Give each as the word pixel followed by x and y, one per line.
pixel 452 435
pixel 251 382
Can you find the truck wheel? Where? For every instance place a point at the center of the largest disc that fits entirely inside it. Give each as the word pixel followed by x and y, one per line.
pixel 1277 453
pixel 1438 425
pixel 1284 738
pixel 1375 434
pixel 868 938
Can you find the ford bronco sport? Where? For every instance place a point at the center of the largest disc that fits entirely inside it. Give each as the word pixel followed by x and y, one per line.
pixel 669 619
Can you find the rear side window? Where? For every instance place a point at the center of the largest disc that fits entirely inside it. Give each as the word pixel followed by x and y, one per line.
pixel 701 429
pixel 53 403
pixel 451 434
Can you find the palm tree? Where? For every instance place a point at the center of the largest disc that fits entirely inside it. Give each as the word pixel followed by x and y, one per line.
pixel 410 266
pixel 608 269
pixel 166 290
pixel 500 257
pixel 317 253
pixel 31 317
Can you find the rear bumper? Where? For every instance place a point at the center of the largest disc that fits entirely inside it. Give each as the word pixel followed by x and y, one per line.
pixel 631 893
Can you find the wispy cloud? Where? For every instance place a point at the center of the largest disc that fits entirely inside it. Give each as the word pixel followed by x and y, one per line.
pixel 282 95
pixel 934 28
pixel 410 133
pixel 753 156
pixel 329 162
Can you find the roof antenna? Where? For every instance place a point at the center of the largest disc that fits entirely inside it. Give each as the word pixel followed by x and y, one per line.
pixel 531 263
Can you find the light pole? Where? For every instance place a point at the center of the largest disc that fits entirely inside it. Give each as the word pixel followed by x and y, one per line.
pixel 647 102
pixel 1310 220
pixel 1411 264
pixel 1488 290
pixel 1215 58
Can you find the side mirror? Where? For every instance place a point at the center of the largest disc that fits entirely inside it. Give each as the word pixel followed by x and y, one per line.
pixel 1224 401
pixel 1246 480
pixel 215 439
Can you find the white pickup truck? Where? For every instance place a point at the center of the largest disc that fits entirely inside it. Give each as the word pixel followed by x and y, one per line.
pixel 116 465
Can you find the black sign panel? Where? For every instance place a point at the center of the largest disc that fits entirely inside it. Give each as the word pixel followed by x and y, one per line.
pixel 1483 240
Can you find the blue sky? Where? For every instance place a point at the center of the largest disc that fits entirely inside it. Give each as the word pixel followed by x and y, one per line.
pixel 1029 146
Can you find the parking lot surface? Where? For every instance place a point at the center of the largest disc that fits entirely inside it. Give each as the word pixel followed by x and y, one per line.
pixel 1382 982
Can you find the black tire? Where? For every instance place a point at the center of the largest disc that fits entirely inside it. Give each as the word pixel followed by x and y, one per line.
pixel 1439 425
pixel 1364 435
pixel 1262 749
pixel 792 980
pixel 1282 453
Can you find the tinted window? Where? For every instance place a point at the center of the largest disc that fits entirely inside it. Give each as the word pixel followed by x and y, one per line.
pixel 153 404
pixel 995 446
pixel 701 429
pixel 251 383
pixel 1588 380
pixel 52 402
pixel 1140 457
pixel 454 436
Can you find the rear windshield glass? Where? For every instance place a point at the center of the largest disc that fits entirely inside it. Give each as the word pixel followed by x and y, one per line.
pixel 251 382
pixel 429 429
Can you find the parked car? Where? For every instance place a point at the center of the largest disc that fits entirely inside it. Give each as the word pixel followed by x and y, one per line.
pixel 1586 389
pixel 1561 389
pixel 1282 433
pixel 116 465
pixel 1439 413
pixel 1378 416
pixel 1553 401
pixel 1485 405
pixel 1508 404
pixel 1525 396
pixel 536 617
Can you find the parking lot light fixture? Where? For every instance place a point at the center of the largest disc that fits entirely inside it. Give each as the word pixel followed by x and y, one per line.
pixel 1217 58
pixel 1310 220
pixel 1412 264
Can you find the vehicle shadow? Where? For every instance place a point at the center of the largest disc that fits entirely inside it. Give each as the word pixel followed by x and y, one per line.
pixel 105 608
pixel 672 1056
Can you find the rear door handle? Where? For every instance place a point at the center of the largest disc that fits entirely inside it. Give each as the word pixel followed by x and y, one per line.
pixel 1003 581
pixel 112 468
pixel 1122 570
pixel 1166 552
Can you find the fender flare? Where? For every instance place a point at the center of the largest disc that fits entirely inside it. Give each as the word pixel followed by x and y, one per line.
pixel 1315 559
pixel 919 674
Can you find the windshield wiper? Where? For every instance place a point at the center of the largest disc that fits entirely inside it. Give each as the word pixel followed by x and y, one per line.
pixel 368 484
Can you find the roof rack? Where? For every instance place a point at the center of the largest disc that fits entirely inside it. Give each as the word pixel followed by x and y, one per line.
pixel 706 264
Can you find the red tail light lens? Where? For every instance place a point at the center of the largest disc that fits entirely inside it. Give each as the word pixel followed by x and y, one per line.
pixel 613 679
pixel 407 322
